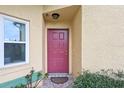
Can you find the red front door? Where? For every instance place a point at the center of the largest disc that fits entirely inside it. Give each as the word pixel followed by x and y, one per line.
pixel 58 51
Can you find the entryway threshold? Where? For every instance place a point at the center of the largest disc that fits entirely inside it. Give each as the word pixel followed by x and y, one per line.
pixel 59 75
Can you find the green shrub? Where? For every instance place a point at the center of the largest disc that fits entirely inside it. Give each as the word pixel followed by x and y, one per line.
pixel 29 82
pixel 119 74
pixel 96 80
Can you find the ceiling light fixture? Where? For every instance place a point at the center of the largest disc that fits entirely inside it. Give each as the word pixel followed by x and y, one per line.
pixel 55 15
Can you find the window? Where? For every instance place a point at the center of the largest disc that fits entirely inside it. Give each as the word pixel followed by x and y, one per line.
pixel 14 41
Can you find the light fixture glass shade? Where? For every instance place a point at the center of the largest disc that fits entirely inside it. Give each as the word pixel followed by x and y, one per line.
pixel 55 15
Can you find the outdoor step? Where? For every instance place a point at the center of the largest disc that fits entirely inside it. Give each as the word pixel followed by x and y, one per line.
pixel 59 75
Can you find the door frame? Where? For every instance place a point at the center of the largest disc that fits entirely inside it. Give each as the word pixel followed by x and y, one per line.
pixel 45 63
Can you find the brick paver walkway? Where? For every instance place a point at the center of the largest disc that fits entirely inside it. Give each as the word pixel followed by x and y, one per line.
pixel 48 84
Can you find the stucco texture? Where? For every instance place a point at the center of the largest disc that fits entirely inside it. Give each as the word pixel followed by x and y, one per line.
pixel 103 42
pixel 34 15
pixel 77 43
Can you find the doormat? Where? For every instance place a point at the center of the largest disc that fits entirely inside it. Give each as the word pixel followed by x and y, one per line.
pixel 59 80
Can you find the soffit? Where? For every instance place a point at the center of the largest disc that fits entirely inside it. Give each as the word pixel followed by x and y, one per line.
pixel 66 13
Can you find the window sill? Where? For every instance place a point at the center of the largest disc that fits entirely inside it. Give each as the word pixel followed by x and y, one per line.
pixel 15 64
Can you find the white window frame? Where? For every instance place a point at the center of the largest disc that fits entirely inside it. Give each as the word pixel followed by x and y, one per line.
pixel 2 41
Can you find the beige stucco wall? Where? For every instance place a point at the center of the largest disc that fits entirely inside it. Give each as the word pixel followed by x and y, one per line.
pixel 34 14
pixel 43 44
pixel 76 42
pixel 103 28
pixel 48 8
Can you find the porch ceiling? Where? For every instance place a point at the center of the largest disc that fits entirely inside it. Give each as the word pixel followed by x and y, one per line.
pixel 66 13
